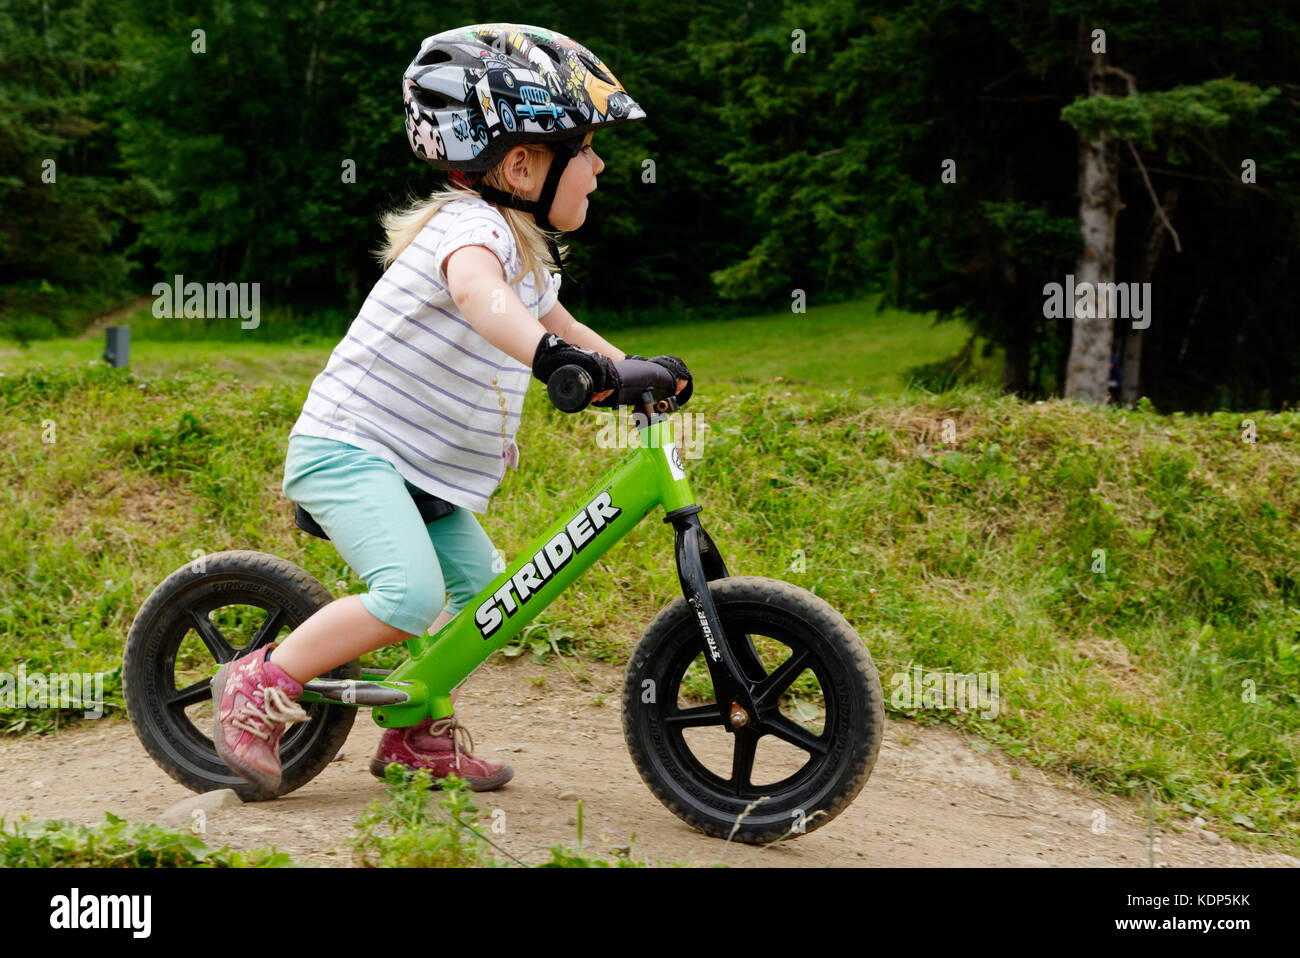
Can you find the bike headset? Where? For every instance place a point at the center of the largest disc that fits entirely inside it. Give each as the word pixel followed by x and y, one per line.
pixel 466 106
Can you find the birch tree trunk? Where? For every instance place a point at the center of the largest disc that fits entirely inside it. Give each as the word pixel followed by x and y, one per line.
pixel 1088 368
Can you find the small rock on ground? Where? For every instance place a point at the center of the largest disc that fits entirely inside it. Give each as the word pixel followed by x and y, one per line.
pixel 182 812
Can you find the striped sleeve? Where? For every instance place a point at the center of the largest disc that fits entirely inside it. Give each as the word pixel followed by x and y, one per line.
pixel 479 228
pixel 550 295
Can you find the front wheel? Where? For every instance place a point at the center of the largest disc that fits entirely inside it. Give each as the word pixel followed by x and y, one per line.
pixel 807 754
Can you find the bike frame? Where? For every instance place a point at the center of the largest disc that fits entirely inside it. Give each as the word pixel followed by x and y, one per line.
pixel 650 475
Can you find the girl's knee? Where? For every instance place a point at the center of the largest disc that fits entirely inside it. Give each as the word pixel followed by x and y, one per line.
pixel 464 592
pixel 488 565
pixel 398 605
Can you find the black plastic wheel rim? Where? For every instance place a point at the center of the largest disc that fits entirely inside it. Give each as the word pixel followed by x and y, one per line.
pixel 739 789
pixel 179 729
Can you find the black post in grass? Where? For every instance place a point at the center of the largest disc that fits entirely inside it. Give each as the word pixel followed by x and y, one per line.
pixel 117 346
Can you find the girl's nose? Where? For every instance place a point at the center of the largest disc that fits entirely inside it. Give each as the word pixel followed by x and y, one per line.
pixel 597 163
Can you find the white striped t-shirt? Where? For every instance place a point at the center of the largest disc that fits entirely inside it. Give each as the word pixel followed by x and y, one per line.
pixel 413 382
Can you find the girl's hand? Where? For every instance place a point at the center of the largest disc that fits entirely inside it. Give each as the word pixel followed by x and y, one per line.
pixel 677 368
pixel 596 397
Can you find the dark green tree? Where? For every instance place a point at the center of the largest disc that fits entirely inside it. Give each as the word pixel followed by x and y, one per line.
pixel 851 190
pixel 62 198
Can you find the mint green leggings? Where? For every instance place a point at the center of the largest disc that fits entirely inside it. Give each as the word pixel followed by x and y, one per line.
pixel 364 505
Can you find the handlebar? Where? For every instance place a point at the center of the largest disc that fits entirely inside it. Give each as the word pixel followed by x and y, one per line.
pixel 570 387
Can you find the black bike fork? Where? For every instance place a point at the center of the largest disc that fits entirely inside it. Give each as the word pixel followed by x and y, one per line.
pixel 733 664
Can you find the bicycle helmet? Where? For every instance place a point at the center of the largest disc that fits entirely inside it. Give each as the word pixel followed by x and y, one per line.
pixel 474 92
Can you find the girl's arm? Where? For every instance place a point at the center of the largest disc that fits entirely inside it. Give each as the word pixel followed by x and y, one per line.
pixel 478 286
pixel 562 323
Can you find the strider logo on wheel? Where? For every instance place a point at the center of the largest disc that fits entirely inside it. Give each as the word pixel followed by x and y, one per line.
pixel 580 532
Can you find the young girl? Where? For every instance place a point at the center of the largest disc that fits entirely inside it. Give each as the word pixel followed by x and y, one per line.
pixel 425 391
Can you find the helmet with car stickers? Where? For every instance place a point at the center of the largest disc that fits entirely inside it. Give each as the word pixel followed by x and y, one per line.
pixel 474 92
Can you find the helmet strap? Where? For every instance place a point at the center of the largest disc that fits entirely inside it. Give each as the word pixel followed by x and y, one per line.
pixel 564 151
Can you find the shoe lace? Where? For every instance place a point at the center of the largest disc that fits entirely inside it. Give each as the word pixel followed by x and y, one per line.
pixel 276 707
pixel 458 732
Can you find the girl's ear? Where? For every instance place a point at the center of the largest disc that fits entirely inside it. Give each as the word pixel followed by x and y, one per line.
pixel 512 168
pixel 523 167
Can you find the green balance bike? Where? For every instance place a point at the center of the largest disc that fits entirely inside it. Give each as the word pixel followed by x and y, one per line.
pixel 751 708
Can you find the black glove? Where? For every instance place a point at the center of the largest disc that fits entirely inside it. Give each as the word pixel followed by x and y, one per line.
pixel 679 371
pixel 553 352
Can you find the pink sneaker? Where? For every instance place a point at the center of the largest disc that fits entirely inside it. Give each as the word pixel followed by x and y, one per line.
pixel 437 747
pixel 254 702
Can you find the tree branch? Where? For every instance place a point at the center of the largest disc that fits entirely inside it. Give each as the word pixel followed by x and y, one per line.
pixel 1178 246
pixel 1233 175
pixel 1122 74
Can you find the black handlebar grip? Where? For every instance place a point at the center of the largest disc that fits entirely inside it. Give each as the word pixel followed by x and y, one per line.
pixel 640 376
pixel 570 388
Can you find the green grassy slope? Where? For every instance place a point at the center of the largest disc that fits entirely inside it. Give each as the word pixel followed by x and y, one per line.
pixel 1131 578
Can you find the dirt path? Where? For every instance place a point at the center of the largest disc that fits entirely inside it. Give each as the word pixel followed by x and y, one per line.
pixel 95 329
pixel 932 799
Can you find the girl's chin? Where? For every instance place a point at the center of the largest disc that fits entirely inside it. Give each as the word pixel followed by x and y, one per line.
pixel 577 219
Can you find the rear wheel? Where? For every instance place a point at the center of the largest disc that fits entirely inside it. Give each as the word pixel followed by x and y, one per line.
pixel 209 612
pixel 801 760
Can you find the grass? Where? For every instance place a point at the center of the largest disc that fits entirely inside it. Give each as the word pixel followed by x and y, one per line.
pixel 114 843
pixel 1130 577
pixel 854 345
pixel 410 830
pixel 406 831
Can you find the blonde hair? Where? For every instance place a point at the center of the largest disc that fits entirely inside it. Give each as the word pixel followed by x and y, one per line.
pixel 402 225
